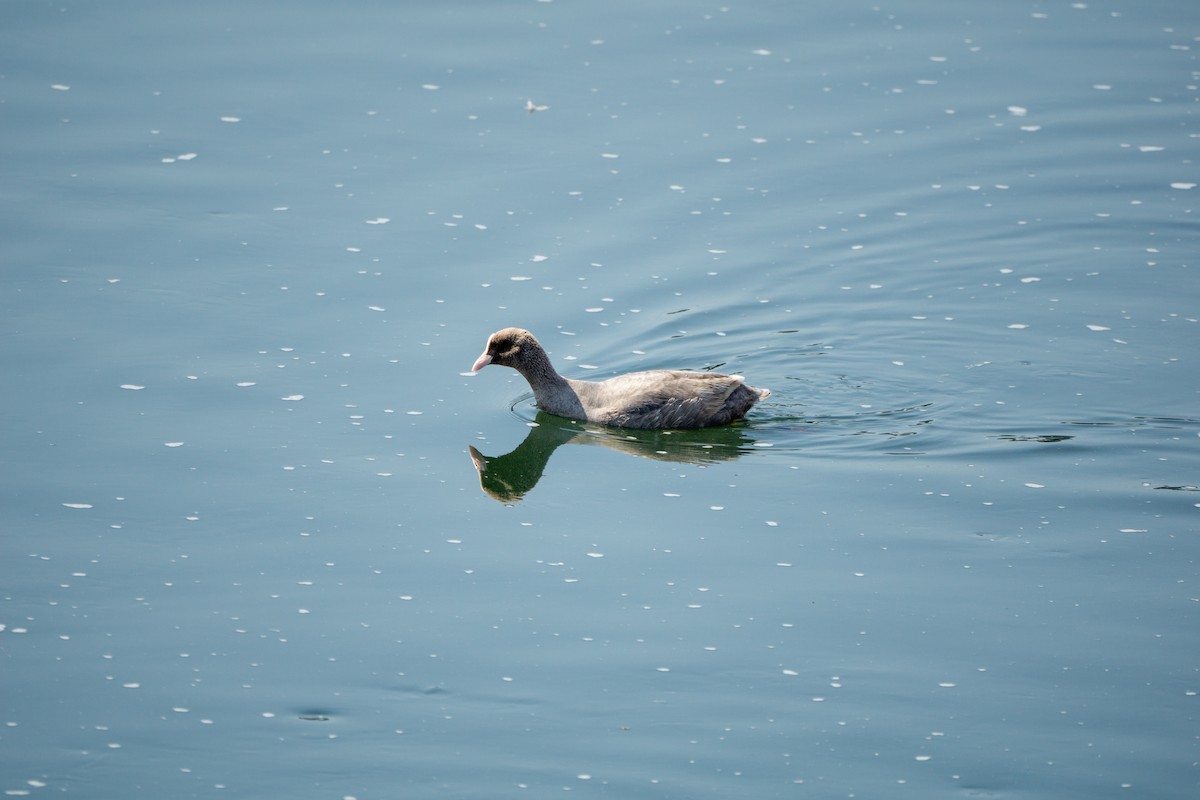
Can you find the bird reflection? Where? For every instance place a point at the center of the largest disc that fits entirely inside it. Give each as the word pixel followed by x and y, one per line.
pixel 509 477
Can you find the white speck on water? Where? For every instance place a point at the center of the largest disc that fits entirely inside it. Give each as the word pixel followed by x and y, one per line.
pixel 671 494
pixel 172 444
pixel 1183 185
pixel 430 87
pixel 60 87
pixel 663 669
pixel 378 221
pixel 595 555
pixel 520 278
pixel 231 119
pixel 244 384
pixel 1036 485
pixel 78 505
pixel 1018 111
pixel 1098 328
pixel 133 387
pixel 1018 326
pixel 609 155
pixel 292 397
pixel 790 672
pixel 538 258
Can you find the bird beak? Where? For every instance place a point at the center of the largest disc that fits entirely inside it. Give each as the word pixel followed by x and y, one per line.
pixel 481 362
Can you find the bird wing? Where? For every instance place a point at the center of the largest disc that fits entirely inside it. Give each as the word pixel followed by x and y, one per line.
pixel 663 398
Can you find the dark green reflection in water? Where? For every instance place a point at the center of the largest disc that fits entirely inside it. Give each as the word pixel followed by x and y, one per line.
pixel 509 477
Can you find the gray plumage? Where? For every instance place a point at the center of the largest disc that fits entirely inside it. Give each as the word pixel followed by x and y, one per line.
pixel 658 398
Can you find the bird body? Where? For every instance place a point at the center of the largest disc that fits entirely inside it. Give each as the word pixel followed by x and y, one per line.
pixel 658 398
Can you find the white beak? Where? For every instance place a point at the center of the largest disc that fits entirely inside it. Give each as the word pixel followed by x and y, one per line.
pixel 481 362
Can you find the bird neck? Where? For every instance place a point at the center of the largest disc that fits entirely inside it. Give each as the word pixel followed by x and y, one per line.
pixel 541 375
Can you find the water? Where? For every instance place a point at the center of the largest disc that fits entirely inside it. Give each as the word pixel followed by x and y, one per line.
pixel 250 252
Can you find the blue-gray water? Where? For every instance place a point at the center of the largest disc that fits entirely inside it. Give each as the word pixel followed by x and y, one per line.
pixel 250 250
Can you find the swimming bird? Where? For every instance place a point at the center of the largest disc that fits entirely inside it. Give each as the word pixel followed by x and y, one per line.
pixel 661 398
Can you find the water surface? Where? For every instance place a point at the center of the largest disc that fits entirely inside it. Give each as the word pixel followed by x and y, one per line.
pixel 249 254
